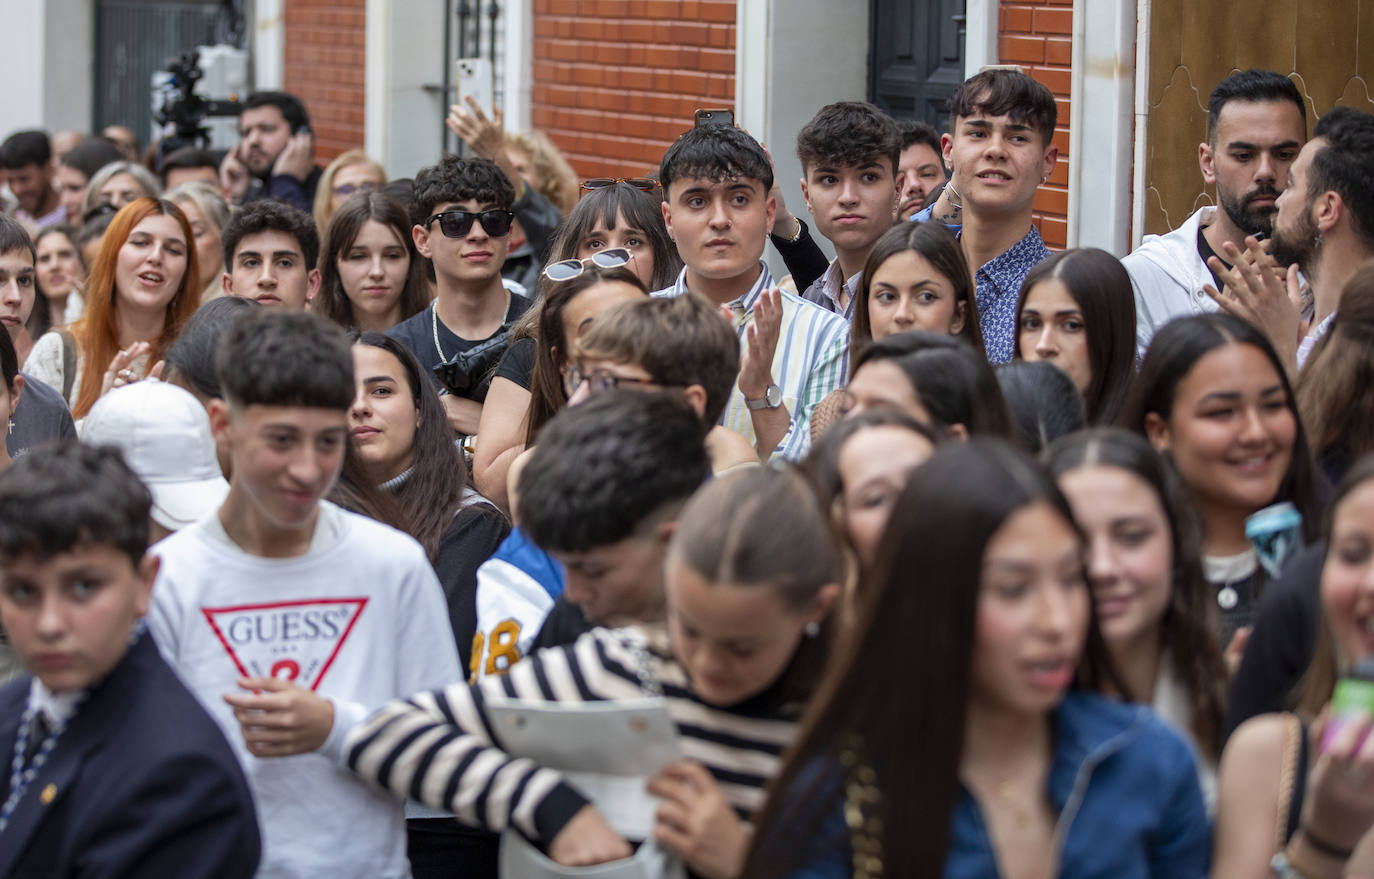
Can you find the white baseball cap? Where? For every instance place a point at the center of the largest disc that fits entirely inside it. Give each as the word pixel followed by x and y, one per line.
pixel 164 434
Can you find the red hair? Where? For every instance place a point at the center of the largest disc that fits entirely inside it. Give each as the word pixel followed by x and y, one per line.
pixel 97 332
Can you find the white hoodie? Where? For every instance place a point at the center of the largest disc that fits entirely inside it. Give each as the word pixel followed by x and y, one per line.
pixel 1168 275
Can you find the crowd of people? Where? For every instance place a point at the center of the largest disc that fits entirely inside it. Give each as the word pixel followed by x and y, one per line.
pixel 948 556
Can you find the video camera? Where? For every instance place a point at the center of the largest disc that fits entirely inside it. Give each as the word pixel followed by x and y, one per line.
pixel 184 110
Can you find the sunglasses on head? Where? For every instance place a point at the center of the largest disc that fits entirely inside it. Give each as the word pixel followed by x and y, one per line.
pixel 457 223
pixel 643 184
pixel 568 269
pixel 347 189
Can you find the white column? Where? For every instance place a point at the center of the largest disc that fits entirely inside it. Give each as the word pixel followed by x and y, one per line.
pixel 517 62
pixel 269 44
pixel 402 119
pixel 1100 146
pixel 980 35
pixel 793 57
pixel 46 66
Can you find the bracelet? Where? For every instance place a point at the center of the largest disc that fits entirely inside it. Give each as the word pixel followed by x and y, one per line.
pixel 1283 868
pixel 796 236
pixel 1323 847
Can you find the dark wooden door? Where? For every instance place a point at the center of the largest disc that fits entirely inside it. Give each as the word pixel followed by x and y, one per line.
pixel 917 57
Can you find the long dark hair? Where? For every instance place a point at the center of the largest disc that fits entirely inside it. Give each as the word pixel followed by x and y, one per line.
pixel 546 379
pixel 1314 691
pixel 1173 352
pixel 432 493
pixel 1334 386
pixel 40 319
pixel 941 249
pixel 1102 289
pixel 1186 630
pixel 917 618
pixel 952 380
pixel 348 221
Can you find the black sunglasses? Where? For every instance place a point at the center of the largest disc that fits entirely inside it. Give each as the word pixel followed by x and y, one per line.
pixel 456 224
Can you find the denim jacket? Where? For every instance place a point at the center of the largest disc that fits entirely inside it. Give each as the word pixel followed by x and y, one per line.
pixel 1126 790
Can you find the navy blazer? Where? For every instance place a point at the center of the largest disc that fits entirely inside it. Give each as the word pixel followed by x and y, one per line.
pixel 141 784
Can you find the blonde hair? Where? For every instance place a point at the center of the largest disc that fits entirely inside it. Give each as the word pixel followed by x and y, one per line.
pixel 325 190
pixel 557 180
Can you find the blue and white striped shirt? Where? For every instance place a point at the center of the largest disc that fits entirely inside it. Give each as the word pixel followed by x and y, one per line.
pixel 811 360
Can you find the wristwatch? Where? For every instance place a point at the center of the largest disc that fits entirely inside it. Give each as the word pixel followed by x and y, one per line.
pixel 772 399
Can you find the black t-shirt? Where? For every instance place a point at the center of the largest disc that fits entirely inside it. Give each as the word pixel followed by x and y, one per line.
pixel 40 417
pixel 564 625
pixel 417 333
pixel 476 533
pixel 1204 249
pixel 517 364
pixel 1281 644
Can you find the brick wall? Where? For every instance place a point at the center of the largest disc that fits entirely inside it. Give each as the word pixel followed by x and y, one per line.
pixel 616 81
pixel 325 63
pixel 1035 34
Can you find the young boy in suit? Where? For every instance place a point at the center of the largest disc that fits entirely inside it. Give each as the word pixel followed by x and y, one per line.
pixel 111 766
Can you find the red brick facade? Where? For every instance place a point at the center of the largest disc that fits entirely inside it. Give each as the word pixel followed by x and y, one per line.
pixel 1036 34
pixel 325 64
pixel 616 81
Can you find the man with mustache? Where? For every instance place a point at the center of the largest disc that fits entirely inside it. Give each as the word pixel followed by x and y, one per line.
pixel 1324 228
pixel 1256 124
pixel 275 158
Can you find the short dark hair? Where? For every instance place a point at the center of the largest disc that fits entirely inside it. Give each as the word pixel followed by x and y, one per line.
pixel 89 156
pixel 1043 401
pixel 1002 92
pixel 1251 85
pixel 65 496
pixel 679 340
pixel 9 362
pixel 715 153
pixel 13 236
pixel 914 131
pixel 291 107
pixel 272 357
pixel 1342 166
pixel 25 148
pixel 606 469
pixel 847 134
pixel 191 358
pixel 187 157
pixel 459 179
pixel 269 215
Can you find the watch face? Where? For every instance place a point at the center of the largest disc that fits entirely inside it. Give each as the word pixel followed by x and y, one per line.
pixel 774 396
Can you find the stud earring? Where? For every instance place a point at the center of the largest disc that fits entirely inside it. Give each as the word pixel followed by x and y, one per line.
pixel 812 629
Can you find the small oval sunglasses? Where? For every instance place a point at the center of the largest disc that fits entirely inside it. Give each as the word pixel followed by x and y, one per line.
pixel 566 270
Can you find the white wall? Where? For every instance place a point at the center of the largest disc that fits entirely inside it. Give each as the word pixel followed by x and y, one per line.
pixel 1100 124
pixel 269 44
pixel 793 57
pixel 46 65
pixel 405 51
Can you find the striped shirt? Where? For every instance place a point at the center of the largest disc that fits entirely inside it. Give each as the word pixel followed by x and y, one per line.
pixel 440 747
pixel 811 360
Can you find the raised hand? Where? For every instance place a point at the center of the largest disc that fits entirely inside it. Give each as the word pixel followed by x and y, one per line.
pixel 1259 291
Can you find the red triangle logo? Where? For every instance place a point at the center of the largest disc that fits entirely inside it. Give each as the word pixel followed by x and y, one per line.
pixel 292 640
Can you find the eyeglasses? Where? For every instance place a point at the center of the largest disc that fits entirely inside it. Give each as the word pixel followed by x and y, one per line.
pixel 643 184
pixel 600 380
pixel 457 224
pixel 347 189
pixel 568 269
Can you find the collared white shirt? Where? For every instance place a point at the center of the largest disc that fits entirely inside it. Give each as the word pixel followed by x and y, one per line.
pixel 57 708
pixel 825 291
pixel 811 360
pixel 1313 336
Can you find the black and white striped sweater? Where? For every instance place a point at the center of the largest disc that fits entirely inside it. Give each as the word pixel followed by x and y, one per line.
pixel 439 747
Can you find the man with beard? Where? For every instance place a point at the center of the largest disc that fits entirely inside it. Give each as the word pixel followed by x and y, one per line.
pixel 1324 228
pixel 275 157
pixel 1256 124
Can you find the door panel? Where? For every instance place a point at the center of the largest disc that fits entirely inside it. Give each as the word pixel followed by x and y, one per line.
pixel 917 57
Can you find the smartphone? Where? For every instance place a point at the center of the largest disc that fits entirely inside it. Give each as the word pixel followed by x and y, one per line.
pixel 475 80
pixel 715 117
